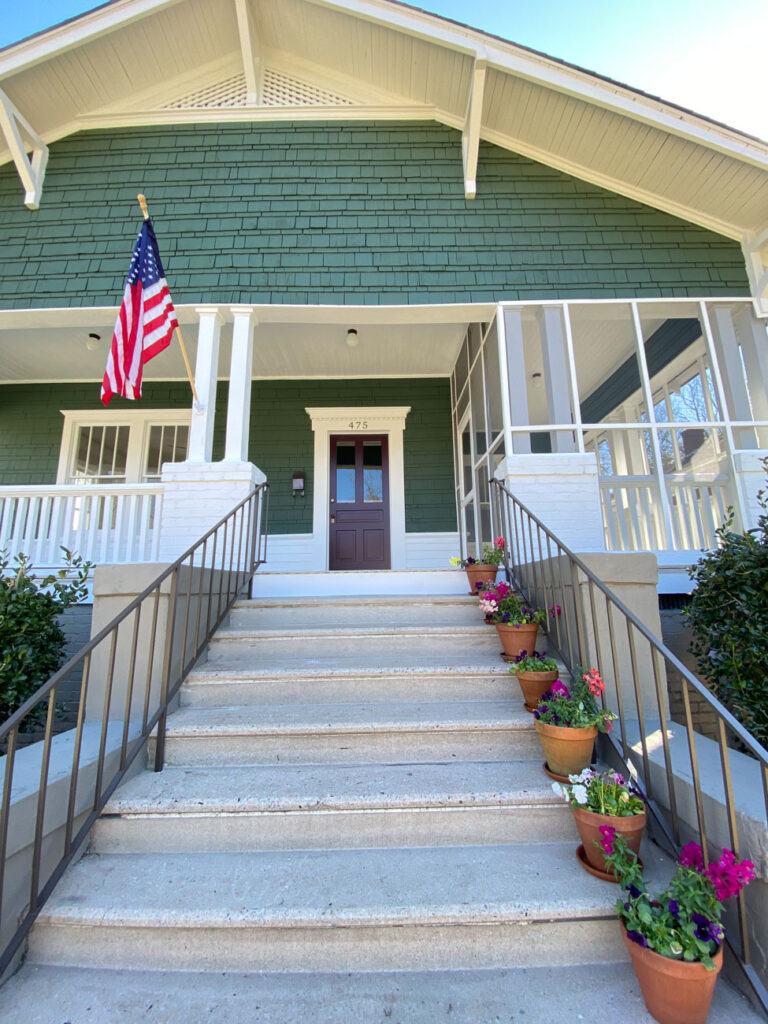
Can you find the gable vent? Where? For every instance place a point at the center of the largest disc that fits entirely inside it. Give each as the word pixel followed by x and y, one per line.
pixel 280 90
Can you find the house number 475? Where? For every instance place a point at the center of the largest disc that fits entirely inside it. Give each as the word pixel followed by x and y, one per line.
pixel 358 424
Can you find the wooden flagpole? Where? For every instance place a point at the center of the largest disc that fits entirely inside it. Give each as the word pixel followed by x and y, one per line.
pixel 143 204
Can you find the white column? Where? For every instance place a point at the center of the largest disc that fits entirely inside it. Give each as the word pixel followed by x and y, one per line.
pixel 555 375
pixel 239 405
pixel 754 348
pixel 729 358
pixel 206 371
pixel 516 379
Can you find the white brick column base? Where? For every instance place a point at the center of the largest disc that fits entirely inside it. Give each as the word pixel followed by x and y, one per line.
pixel 196 495
pixel 562 490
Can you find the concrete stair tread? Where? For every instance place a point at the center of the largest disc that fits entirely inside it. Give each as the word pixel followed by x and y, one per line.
pixel 474 885
pixel 365 660
pixel 426 601
pixel 41 994
pixel 302 631
pixel 259 788
pixel 369 717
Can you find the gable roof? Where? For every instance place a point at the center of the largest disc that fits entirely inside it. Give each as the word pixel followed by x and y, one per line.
pixel 164 61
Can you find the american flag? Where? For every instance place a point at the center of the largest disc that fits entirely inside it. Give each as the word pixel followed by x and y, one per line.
pixel 145 323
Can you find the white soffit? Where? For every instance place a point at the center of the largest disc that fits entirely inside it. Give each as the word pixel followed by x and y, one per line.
pixel 129 63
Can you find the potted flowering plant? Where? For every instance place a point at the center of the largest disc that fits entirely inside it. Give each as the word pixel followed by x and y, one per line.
pixel 567 721
pixel 535 673
pixel 481 571
pixel 516 623
pixel 675 939
pixel 598 799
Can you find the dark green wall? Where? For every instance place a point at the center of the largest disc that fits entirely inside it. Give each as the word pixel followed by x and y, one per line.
pixel 330 213
pixel 281 437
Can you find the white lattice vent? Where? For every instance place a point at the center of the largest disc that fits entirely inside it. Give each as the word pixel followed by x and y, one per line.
pixel 280 90
pixel 229 93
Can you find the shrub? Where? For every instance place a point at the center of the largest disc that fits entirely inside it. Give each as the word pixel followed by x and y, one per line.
pixel 728 614
pixel 31 640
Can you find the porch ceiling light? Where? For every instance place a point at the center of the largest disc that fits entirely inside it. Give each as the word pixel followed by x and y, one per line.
pixel 92 342
pixel 352 338
pixel 537 380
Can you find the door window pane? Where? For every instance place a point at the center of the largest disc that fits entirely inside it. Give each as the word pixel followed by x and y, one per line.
pixel 345 471
pixel 373 482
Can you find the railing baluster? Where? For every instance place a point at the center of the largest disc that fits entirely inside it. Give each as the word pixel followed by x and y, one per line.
pixel 129 690
pixel 733 832
pixel 617 679
pixel 42 793
pixel 665 746
pixel 72 800
pixel 5 811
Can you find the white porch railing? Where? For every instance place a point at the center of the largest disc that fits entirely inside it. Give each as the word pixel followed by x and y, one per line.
pixel 633 514
pixel 102 524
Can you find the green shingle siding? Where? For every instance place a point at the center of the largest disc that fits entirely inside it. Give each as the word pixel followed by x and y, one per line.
pixel 330 213
pixel 281 437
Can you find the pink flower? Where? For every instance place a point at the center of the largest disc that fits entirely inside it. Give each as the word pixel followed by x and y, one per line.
pixel 489 595
pixel 595 682
pixel 608 832
pixel 503 589
pixel 499 543
pixel 728 875
pixel 559 689
pixel 692 857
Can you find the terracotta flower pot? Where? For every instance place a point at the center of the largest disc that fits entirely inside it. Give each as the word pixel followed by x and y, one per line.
pixel 516 639
pixel 588 823
pixel 568 751
pixel 480 572
pixel 675 991
pixel 534 685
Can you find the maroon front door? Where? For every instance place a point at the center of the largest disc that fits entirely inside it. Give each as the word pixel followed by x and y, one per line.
pixel 359 513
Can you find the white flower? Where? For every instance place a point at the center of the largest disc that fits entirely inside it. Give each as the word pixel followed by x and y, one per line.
pixel 558 790
pixel 579 794
pixel 584 775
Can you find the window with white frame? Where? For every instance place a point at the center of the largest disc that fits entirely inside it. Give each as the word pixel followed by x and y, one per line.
pixel 125 447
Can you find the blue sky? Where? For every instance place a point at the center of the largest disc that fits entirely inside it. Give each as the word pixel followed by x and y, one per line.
pixel 707 55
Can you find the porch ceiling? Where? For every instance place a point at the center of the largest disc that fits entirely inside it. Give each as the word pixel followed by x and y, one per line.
pixel 54 345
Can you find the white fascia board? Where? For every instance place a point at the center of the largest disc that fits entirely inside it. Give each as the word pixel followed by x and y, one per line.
pixel 137 118
pixel 84 28
pixel 543 70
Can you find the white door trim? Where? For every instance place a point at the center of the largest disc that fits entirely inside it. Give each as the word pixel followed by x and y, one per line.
pixel 389 420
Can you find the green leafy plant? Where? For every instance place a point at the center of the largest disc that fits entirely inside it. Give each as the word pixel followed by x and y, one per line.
pixel 536 661
pixel 31 640
pixel 602 793
pixel 492 554
pixel 577 707
pixel 683 922
pixel 728 613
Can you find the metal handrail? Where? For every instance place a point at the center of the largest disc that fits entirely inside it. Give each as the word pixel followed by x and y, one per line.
pixel 197 591
pixel 585 629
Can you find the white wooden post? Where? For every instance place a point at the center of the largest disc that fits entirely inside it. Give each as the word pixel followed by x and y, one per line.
pixel 516 379
pixel 555 375
pixel 754 348
pixel 239 405
pixel 727 346
pixel 206 371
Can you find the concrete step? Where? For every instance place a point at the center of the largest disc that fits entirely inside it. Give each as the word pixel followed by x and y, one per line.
pixel 309 613
pixel 351 733
pixel 326 910
pixel 364 583
pixel 357 649
pixel 211 686
pixel 255 807
pixel 533 995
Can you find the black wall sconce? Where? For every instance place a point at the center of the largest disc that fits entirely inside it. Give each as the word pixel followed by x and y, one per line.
pixel 298 483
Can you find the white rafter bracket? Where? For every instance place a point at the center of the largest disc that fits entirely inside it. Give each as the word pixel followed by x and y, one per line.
pixel 29 152
pixel 470 136
pixel 755 248
pixel 253 64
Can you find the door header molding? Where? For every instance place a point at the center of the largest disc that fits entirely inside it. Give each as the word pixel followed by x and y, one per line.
pixel 372 419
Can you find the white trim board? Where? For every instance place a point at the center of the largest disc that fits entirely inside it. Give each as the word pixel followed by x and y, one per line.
pixel 389 420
